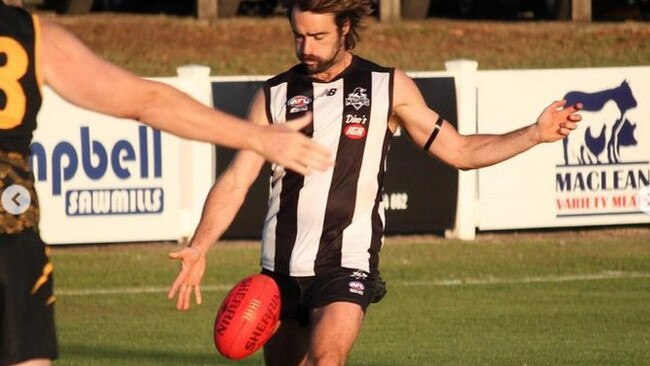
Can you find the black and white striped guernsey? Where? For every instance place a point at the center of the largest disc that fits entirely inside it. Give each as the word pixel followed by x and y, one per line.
pixel 334 218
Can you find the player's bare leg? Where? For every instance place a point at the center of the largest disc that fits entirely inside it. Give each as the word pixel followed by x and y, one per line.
pixel 35 362
pixel 288 346
pixel 335 327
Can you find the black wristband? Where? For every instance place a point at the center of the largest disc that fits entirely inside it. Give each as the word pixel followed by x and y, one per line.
pixel 434 134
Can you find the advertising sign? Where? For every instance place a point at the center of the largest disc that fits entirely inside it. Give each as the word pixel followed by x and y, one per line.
pixel 103 179
pixel 599 175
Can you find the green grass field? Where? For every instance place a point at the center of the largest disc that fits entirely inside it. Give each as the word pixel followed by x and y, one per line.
pixel 554 298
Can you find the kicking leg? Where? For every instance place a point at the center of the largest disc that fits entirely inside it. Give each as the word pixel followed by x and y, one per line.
pixel 288 346
pixel 335 328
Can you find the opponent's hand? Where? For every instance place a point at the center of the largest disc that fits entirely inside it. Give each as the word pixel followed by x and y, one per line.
pixel 282 144
pixel 557 121
pixel 189 277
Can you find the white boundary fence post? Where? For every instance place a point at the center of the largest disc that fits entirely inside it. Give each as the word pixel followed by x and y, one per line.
pixel 465 72
pixel 198 160
pixel 390 10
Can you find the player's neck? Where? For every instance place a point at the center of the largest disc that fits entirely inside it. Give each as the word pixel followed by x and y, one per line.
pixel 336 69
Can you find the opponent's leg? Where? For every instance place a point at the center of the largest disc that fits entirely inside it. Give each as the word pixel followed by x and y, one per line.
pixel 335 328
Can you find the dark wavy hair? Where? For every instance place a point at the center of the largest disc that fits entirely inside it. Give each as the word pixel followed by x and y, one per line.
pixel 343 10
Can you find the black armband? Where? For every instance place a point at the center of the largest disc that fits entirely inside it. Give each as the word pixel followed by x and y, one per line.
pixel 434 134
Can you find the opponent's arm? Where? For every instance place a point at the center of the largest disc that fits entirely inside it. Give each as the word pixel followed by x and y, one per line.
pixel 88 81
pixel 221 206
pixel 439 138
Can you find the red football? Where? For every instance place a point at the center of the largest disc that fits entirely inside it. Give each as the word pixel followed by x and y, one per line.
pixel 248 316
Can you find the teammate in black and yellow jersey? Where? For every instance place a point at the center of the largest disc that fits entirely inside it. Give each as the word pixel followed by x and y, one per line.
pixel 36 52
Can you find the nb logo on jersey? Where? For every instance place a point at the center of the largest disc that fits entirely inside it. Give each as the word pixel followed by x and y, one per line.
pixel 330 92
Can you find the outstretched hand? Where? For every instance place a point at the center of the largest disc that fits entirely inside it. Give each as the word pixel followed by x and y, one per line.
pixel 189 277
pixel 557 121
pixel 282 144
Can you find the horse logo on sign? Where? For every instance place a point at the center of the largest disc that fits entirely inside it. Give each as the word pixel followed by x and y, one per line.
pixel 614 129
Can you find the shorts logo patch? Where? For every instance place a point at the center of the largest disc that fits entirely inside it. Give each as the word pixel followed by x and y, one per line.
pixel 359 275
pixel 357 287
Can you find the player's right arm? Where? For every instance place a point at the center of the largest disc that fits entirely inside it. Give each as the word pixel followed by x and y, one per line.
pixel 221 206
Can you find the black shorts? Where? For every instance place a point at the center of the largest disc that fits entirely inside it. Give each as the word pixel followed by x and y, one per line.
pixel 26 300
pixel 302 294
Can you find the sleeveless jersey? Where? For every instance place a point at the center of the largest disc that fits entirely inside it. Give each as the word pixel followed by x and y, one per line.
pixel 335 218
pixel 20 96
pixel 20 101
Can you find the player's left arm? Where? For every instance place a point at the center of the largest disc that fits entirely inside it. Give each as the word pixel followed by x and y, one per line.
pixel 430 131
pixel 222 204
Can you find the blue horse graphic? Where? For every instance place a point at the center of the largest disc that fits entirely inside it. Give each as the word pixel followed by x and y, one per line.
pixel 620 134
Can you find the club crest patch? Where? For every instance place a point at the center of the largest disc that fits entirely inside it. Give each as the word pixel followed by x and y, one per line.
pixel 359 275
pixel 358 98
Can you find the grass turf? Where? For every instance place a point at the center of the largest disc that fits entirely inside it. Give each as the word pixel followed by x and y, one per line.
pixel 539 299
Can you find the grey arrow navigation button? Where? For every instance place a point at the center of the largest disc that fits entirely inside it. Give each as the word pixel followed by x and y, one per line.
pixel 16 199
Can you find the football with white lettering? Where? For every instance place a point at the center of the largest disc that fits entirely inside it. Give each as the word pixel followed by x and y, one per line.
pixel 247 317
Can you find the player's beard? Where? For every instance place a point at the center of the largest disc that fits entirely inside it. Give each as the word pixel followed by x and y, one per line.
pixel 322 64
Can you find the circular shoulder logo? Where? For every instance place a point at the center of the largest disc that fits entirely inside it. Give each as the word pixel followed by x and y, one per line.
pixel 299 101
pixel 16 199
pixel 643 199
